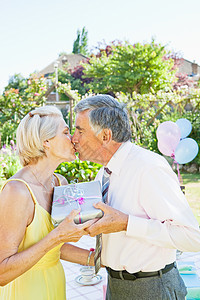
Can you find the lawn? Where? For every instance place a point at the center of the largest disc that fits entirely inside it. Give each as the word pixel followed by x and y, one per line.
pixel 192 192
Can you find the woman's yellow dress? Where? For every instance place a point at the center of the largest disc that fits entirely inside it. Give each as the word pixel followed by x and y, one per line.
pixel 46 279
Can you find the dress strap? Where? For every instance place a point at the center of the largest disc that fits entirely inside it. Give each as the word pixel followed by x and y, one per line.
pixel 21 180
pixel 57 179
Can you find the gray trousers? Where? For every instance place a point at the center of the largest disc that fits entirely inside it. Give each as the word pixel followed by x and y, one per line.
pixel 169 286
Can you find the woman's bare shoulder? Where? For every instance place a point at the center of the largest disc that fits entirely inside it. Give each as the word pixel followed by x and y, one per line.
pixel 15 185
pixel 15 191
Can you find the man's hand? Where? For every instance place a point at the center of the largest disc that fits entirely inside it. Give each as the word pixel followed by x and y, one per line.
pixel 112 221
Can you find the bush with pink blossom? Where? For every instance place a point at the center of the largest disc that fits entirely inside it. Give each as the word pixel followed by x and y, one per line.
pixel 9 161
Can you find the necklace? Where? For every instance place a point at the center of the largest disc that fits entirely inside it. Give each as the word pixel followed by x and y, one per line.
pixel 52 182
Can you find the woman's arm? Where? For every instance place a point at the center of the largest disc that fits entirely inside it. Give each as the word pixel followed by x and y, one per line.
pixel 76 255
pixel 16 212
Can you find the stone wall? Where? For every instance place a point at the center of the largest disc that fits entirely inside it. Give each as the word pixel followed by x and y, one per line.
pixel 190 168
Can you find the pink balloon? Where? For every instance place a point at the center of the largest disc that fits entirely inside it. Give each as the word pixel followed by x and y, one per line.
pixel 168 135
pixel 165 149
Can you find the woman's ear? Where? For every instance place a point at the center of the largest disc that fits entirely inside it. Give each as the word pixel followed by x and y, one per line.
pixel 46 145
pixel 107 136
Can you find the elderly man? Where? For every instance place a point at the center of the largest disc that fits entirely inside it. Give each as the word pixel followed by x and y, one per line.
pixel 146 216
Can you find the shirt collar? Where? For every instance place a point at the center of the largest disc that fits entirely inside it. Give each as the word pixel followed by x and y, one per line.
pixel 116 162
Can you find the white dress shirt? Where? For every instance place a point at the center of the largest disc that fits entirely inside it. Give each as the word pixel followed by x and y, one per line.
pixel 144 186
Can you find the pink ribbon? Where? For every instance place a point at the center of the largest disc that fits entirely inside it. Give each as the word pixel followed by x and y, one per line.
pixel 80 200
pixel 177 166
pixel 61 200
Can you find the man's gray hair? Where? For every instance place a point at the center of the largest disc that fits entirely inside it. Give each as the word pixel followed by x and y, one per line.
pixel 107 112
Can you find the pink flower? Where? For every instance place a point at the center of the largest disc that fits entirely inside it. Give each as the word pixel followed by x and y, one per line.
pixel 42 88
pixel 13 104
pixel 29 82
pixel 12 142
pixel 3 165
pixel 36 94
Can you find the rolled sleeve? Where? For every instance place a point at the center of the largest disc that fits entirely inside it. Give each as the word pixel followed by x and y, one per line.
pixel 169 220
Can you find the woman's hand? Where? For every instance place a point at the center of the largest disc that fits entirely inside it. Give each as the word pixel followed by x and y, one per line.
pixel 68 231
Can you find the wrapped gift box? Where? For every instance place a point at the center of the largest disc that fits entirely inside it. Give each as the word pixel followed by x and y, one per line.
pixel 76 196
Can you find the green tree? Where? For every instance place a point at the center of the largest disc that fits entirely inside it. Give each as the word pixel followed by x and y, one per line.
pixel 15 104
pixel 17 81
pixel 147 111
pixel 81 43
pixel 20 96
pixel 64 76
pixel 128 68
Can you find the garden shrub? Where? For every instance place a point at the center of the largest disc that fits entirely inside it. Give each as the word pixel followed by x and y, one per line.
pixel 148 111
pixel 78 170
pixel 9 161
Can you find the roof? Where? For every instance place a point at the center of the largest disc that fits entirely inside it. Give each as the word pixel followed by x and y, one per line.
pixel 73 60
pixel 188 67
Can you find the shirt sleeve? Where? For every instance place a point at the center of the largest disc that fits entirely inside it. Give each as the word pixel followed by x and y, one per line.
pixel 169 221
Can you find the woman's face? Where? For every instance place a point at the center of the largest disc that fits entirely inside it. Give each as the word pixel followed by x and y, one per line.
pixel 61 147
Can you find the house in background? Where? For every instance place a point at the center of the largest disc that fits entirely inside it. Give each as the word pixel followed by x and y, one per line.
pixel 72 61
pixel 192 69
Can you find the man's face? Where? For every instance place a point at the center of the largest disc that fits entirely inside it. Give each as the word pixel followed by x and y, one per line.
pixel 87 143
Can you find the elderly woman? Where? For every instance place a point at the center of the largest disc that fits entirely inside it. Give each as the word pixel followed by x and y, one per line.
pixel 30 248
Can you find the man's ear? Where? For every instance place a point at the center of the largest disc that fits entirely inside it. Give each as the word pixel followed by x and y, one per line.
pixel 107 136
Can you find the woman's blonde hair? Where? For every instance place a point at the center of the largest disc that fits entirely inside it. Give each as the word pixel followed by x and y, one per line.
pixel 35 128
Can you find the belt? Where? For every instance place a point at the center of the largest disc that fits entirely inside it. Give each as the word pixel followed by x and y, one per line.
pixel 124 275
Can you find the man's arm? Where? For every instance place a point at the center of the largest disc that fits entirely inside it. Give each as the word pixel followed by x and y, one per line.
pixel 169 221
